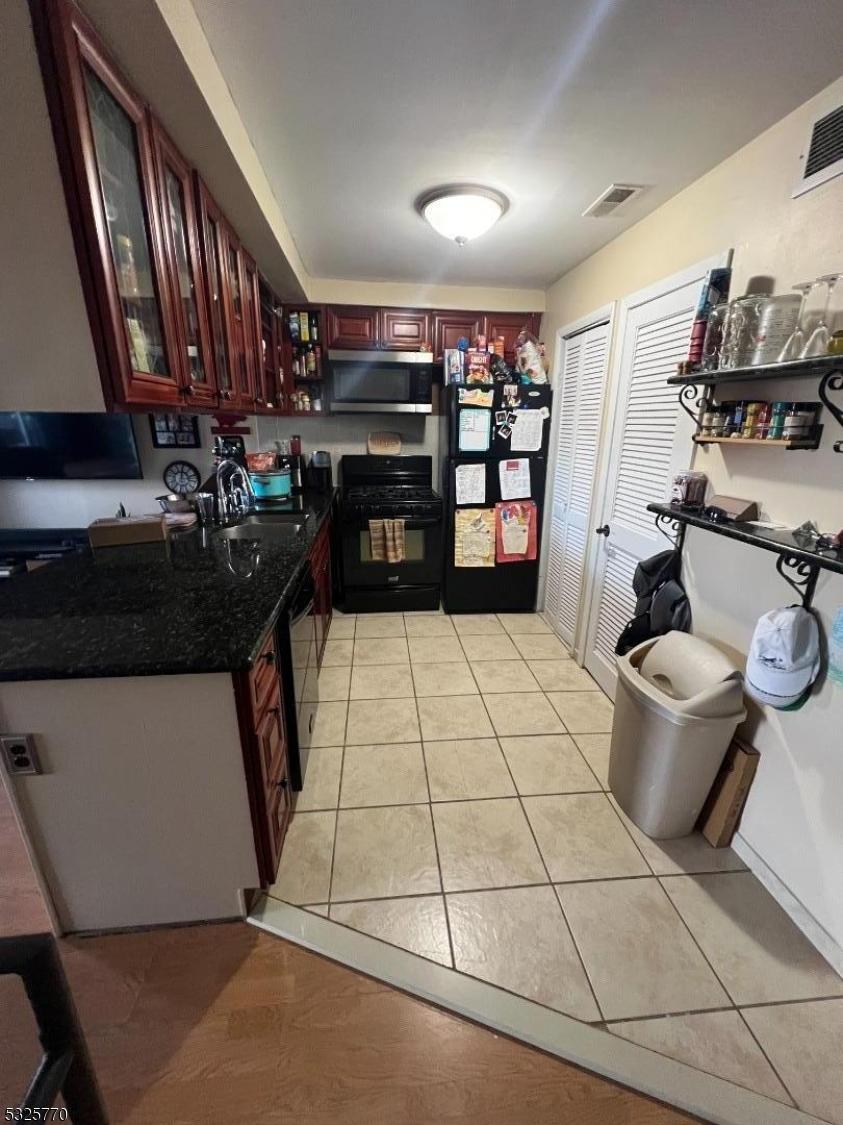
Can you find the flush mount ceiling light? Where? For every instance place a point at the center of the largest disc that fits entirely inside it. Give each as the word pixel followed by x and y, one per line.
pixel 462 211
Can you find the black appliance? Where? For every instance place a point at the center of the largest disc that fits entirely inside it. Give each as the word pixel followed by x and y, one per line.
pixel 381 382
pixel 41 445
pixel 506 587
pixel 320 476
pixel 373 488
pixel 297 624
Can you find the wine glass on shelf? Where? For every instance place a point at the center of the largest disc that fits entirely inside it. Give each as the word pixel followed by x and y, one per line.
pixel 796 340
pixel 817 343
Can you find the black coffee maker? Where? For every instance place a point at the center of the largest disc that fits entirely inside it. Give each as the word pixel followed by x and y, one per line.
pixel 320 475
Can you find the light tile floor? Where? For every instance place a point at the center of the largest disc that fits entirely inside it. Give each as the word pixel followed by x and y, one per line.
pixel 456 806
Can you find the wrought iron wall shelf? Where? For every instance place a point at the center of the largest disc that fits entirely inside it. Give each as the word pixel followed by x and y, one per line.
pixel 827 369
pixel 803 563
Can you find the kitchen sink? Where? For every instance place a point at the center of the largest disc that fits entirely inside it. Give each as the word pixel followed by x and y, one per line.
pixel 265 525
pixel 270 518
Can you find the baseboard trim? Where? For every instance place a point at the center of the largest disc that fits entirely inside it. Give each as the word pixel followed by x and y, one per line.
pixel 592 1048
pixel 799 914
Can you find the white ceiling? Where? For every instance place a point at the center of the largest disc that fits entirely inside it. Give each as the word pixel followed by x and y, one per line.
pixel 355 108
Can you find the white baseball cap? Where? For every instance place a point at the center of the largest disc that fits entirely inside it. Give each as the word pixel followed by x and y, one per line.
pixel 784 656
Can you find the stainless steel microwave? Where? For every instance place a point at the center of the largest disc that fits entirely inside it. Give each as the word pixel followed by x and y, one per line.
pixel 381 382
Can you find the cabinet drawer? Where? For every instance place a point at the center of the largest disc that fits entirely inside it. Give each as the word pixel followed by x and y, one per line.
pixel 263 677
pixel 272 741
pixel 278 811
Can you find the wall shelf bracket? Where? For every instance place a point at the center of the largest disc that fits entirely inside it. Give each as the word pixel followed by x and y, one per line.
pixel 832 381
pixel 671 529
pixel 695 393
pixel 802 579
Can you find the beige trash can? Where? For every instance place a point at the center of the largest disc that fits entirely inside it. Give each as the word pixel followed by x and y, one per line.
pixel 677 704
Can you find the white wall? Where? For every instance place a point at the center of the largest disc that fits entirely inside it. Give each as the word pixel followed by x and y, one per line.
pixel 58 503
pixel 77 503
pixel 347 433
pixel 793 819
pixel 48 360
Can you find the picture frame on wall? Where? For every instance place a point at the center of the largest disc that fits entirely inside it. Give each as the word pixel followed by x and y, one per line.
pixel 171 431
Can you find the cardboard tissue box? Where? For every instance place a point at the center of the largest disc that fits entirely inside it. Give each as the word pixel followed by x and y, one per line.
pixel 122 532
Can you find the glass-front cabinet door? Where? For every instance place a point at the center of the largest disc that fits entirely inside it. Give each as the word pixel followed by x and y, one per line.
pixel 213 247
pixel 115 206
pixel 236 313
pixel 252 331
pixel 198 383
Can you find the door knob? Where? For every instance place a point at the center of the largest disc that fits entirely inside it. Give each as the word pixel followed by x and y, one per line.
pixel 604 530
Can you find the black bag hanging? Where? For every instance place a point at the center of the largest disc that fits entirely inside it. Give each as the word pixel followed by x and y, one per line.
pixel 661 605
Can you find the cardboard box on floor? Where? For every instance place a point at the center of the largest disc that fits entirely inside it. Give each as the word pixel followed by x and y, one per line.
pixel 723 806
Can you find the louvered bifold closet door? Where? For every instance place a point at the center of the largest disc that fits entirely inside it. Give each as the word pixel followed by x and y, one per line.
pixel 650 442
pixel 580 402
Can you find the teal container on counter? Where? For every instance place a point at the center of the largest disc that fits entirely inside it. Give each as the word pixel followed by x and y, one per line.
pixel 274 484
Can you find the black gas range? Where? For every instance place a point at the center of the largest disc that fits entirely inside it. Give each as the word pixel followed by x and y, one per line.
pixel 390 488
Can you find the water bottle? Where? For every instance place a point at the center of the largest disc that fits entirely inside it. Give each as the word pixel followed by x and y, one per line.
pixel 835 649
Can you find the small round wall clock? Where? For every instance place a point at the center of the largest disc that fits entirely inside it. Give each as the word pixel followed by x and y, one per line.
pixel 182 477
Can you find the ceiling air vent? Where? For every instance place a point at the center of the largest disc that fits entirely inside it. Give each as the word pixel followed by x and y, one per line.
pixel 615 196
pixel 822 157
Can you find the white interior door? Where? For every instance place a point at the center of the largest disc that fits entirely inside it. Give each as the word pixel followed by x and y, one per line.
pixel 650 441
pixel 579 399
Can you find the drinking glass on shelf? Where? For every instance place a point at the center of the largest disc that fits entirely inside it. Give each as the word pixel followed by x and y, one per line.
pixel 731 335
pixel 796 340
pixel 713 340
pixel 817 343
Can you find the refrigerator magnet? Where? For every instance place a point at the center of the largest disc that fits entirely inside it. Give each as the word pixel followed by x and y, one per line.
pixel 505 432
pixel 500 417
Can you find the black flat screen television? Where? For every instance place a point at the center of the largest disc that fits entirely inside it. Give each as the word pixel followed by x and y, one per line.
pixel 40 445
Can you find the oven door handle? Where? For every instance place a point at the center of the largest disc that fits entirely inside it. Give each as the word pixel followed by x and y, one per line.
pixel 410 524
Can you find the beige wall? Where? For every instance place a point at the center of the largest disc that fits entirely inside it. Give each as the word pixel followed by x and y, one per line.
pixel 411 294
pixel 793 818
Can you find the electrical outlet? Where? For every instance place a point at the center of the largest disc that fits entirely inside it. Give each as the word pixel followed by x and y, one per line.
pixel 20 754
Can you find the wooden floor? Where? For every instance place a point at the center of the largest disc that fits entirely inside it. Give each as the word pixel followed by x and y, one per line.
pixel 216 1024
pixel 21 906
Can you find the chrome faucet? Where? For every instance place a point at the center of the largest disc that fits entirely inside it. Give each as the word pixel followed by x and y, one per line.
pixel 235 494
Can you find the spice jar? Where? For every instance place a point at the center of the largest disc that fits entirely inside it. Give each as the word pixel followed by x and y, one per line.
pixel 778 410
pixel 750 419
pixel 798 421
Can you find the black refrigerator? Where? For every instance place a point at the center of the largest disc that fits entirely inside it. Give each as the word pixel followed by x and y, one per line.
pixel 475 442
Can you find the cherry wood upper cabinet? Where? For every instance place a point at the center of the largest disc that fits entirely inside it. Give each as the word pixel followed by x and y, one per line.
pixel 105 149
pixel 236 314
pixel 252 329
pixel 353 326
pixel 271 366
pixel 211 223
pixel 404 330
pixel 508 325
pixel 181 238
pixel 448 327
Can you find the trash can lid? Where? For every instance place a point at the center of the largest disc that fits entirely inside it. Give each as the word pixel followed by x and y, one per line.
pixel 681 666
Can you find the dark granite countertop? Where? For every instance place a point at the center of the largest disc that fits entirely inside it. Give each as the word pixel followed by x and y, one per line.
pixel 198 603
